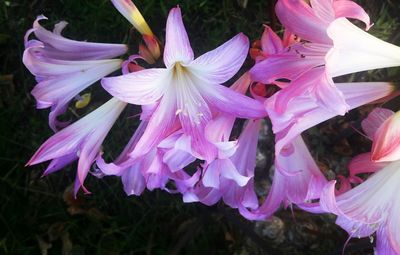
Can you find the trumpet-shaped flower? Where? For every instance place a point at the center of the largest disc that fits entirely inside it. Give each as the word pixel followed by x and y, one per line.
pixel 313 24
pixel 386 142
pixel 297 179
pixel 303 112
pixel 63 67
pixel 188 90
pixel 371 206
pixel 133 15
pixel 81 139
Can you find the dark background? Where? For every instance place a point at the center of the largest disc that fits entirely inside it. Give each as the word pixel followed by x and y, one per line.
pixel 39 216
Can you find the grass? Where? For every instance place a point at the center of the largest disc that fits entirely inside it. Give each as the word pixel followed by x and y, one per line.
pixel 37 216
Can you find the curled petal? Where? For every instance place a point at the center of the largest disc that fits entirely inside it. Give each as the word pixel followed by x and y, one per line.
pixel 350 9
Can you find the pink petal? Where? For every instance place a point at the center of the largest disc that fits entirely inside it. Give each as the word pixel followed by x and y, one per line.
pixel 386 145
pixel 133 180
pixel 177 45
pixel 177 159
pixel 289 66
pixel 383 243
pixel 60 47
pixel 362 164
pixel 229 171
pixel 270 42
pixel 230 102
pixel 298 17
pixel 211 174
pixel 221 64
pixel 323 9
pixel 350 9
pixel 143 87
pixel 328 96
pixel 374 120
pixel 160 125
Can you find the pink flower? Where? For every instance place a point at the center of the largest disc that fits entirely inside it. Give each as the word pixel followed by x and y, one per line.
pixel 188 91
pixel 64 68
pixel 386 142
pixel 229 175
pixel 371 206
pixel 297 179
pixel 315 26
pixel 81 139
pixel 303 112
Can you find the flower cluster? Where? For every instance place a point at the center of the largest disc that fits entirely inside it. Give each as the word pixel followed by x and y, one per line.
pixel 185 143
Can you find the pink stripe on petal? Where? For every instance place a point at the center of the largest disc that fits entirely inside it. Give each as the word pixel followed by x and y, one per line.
pixel 177 45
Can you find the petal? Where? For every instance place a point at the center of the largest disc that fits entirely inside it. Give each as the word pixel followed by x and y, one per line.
pixel 386 145
pixel 230 102
pixel 308 183
pixel 289 66
pixel 59 163
pixel 354 228
pixel 219 65
pixel 60 47
pixel 304 113
pixel 133 180
pixel 133 15
pixel 374 120
pixel 160 125
pixel 211 174
pixel 143 87
pixel 270 41
pixel 298 17
pixel 383 243
pixel 229 171
pixel 355 50
pixel 323 9
pixel 177 159
pixel 362 164
pixel 329 97
pixel 177 45
pixel 350 9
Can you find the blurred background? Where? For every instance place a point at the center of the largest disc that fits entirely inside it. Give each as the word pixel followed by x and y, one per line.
pixel 39 215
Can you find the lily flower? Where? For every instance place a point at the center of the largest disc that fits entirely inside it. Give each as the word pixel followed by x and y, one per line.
pixel 386 145
pixel 310 22
pixel 188 90
pixel 297 179
pixel 303 112
pixel 371 206
pixel 128 9
pixel 64 68
pixel 81 139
